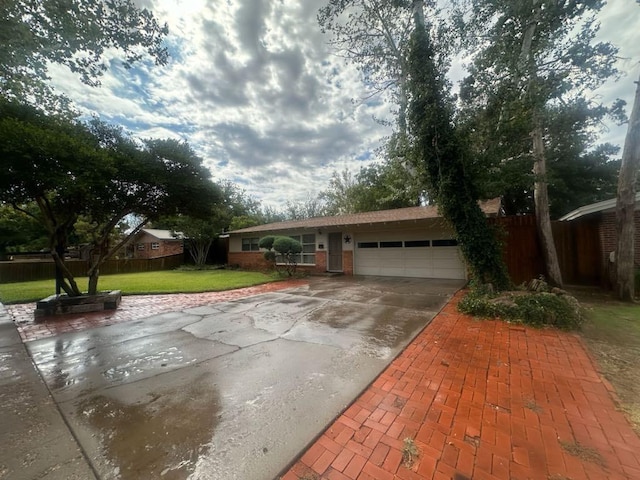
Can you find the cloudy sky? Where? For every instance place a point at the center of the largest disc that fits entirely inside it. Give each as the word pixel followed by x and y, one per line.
pixel 254 87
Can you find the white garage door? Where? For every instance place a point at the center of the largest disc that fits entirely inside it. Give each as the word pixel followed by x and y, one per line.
pixel 410 255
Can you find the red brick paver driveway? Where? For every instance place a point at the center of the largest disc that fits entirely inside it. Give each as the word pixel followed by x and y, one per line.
pixel 132 308
pixel 481 400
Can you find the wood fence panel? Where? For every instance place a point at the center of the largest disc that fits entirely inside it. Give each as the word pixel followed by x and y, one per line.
pixel 577 245
pixel 521 250
pixel 26 271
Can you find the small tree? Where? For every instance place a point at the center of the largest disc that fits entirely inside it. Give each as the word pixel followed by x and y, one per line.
pixel 286 248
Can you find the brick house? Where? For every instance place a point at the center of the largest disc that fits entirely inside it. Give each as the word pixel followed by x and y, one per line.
pixel 600 217
pixel 404 242
pixel 154 243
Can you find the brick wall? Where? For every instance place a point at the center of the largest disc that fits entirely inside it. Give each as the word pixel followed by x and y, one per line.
pixel 609 238
pixel 347 262
pixel 321 261
pixel 249 260
pixel 166 248
pixel 256 261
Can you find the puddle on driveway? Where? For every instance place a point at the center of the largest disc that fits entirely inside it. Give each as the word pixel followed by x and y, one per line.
pixel 162 437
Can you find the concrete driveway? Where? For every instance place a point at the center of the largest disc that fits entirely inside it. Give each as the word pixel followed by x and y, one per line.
pixel 233 390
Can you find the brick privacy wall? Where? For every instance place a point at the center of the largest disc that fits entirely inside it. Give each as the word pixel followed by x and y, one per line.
pixel 609 238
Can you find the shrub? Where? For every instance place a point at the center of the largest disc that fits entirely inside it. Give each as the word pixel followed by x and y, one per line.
pixel 266 242
pixel 536 308
pixel 287 247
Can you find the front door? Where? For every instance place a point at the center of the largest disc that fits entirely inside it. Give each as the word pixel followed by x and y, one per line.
pixel 335 252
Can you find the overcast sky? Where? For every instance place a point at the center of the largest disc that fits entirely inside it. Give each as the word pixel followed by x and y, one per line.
pixel 253 86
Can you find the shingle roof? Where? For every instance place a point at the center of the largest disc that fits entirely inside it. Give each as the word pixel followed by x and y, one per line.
pixel 594 208
pixel 163 234
pixel 491 208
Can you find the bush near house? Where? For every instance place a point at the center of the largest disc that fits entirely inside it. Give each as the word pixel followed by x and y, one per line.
pixel 533 304
pixel 286 248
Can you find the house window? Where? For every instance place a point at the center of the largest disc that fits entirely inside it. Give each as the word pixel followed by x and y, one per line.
pixel 140 246
pixel 367 244
pixel 308 255
pixel 250 244
pixel 155 246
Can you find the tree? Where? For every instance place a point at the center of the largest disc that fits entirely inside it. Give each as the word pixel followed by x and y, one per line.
pixel 74 33
pixel 531 57
pixel 311 207
pixel 19 231
pixel 380 186
pixel 70 169
pixel 159 177
pixel 626 205
pixel 44 157
pixel 439 148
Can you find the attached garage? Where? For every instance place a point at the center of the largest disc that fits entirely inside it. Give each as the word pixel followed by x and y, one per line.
pixel 406 242
pixel 409 254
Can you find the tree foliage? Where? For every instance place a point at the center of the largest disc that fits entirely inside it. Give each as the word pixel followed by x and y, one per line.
pixel 534 63
pixel 72 169
pixel 80 34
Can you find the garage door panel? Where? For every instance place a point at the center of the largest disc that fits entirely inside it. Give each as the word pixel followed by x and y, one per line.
pixel 418 262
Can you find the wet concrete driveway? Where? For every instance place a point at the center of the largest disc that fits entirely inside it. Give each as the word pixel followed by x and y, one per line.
pixel 233 390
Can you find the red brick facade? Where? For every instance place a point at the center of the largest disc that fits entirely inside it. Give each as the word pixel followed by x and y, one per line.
pixel 256 261
pixel 347 262
pixel 609 238
pixel 148 246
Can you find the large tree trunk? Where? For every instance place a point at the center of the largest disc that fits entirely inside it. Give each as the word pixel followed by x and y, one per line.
pixel 541 200
pixel 540 192
pixel 625 205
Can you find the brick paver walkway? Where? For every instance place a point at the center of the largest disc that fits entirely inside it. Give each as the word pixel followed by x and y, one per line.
pixel 131 308
pixel 481 400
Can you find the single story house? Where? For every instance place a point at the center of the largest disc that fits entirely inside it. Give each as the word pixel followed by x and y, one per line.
pixel 600 217
pixel 155 243
pixel 404 242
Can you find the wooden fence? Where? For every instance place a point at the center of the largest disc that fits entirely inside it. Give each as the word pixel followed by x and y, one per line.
pixel 25 271
pixel 577 245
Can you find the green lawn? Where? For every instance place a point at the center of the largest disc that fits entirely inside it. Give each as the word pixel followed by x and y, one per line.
pixel 612 333
pixel 171 281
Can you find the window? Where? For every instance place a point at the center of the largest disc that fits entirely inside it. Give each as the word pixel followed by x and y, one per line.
pixel 395 244
pixel 250 244
pixel 308 255
pixel 155 246
pixel 416 243
pixel 367 244
pixel 140 246
pixel 449 242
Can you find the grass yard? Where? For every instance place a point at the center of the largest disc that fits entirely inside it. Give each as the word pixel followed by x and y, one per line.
pixel 170 281
pixel 612 333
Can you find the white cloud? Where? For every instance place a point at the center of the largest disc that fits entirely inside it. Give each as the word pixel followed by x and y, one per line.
pixel 254 87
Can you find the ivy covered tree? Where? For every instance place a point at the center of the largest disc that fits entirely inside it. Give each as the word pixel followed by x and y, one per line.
pixel 445 156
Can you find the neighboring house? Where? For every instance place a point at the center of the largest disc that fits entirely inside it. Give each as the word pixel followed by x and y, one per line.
pixel 405 242
pixel 154 243
pixel 600 218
